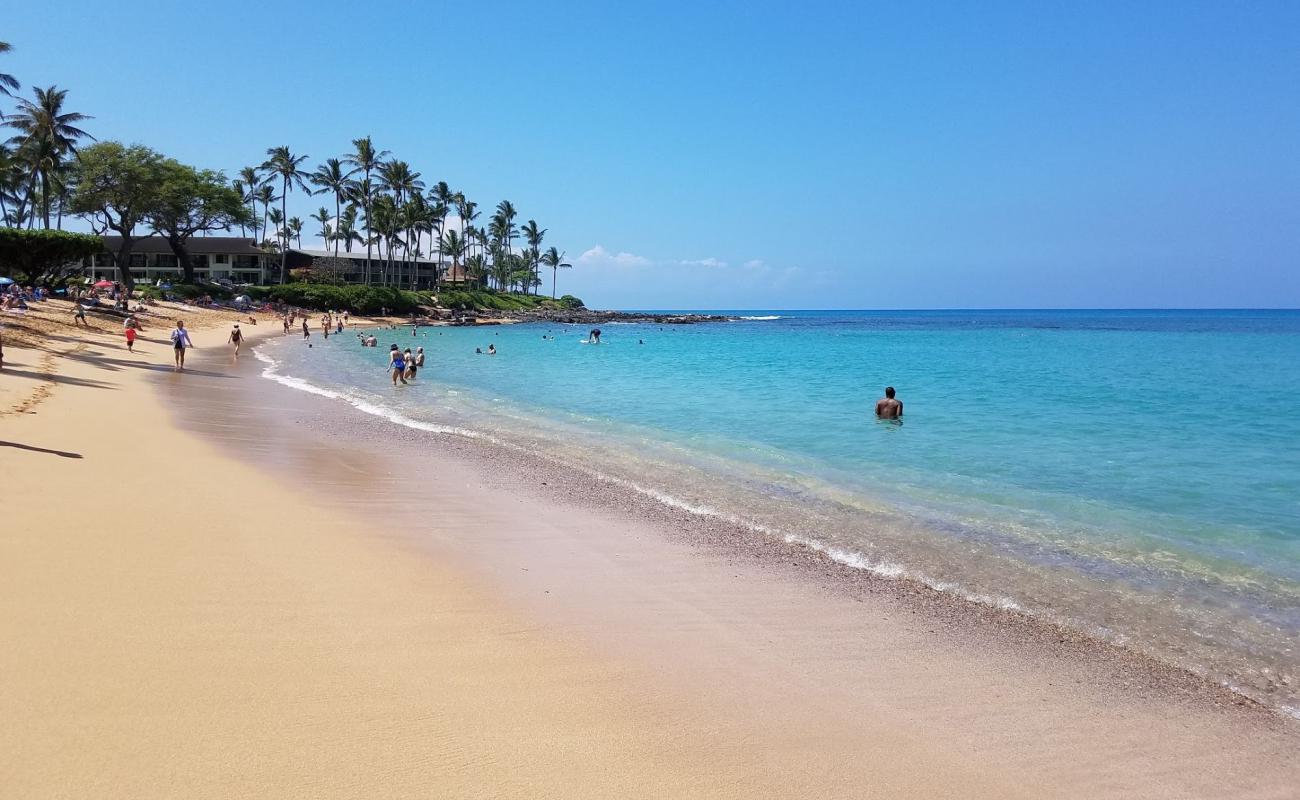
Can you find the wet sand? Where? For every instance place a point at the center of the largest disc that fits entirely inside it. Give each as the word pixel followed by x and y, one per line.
pixel 317 603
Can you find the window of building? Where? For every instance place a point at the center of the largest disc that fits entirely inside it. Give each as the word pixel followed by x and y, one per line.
pixel 137 259
pixel 199 261
pixel 221 258
pixel 164 261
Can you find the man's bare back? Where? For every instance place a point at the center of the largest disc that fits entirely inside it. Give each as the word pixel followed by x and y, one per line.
pixel 888 407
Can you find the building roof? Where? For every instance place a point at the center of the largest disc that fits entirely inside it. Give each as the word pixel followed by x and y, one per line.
pixel 197 245
pixel 355 256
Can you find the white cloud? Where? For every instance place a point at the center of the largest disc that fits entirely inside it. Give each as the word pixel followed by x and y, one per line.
pixel 754 263
pixel 598 255
pixel 704 262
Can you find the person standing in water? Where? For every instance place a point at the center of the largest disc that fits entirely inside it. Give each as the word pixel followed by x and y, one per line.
pixel 889 407
pixel 419 357
pixel 236 338
pixel 180 341
pixel 396 366
pixel 306 332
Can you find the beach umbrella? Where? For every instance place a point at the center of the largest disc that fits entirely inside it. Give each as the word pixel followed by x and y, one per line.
pixel 6 281
pixel 103 284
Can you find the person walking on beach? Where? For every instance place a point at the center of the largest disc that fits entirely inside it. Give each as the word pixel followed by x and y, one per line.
pixel 889 407
pixel 130 326
pixel 396 366
pixel 236 338
pixel 285 320
pixel 180 341
pixel 306 332
pixel 80 315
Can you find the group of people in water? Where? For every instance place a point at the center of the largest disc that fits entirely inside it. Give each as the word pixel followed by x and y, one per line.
pixel 403 364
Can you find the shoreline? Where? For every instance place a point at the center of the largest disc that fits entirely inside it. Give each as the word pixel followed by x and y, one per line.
pixel 298 616
pixel 379 452
pixel 724 532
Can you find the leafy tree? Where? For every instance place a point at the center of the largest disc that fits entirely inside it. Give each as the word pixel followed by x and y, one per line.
pixel 288 168
pixel 191 201
pixel 44 256
pixel 118 189
pixel 46 135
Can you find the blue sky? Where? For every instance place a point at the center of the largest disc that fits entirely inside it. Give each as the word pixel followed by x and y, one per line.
pixel 760 155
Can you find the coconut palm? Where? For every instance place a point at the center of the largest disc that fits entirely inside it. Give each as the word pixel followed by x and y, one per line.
pixel 347 229
pixel 277 219
pixel 252 180
pixel 533 236
pixel 453 245
pixel 556 262
pixel 365 158
pixel 265 195
pixel 326 231
pixel 8 83
pixel 294 226
pixel 333 177
pixel 288 168
pixel 46 135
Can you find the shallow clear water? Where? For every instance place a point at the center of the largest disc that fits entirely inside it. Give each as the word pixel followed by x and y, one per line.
pixel 1132 473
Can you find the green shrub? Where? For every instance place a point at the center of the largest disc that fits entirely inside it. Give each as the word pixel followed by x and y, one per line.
pixel 356 299
pixel 41 256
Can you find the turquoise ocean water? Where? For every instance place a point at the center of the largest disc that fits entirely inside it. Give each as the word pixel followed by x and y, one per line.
pixel 1133 474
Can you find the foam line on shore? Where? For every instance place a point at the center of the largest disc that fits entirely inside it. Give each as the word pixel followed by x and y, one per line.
pixel 848 558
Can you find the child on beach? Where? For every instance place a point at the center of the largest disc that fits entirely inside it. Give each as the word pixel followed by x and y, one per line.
pixel 306 333
pixel 130 337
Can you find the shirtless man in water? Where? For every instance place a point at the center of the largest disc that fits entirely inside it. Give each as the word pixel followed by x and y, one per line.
pixel 887 407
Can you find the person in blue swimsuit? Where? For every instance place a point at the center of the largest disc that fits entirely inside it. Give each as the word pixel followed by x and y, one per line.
pixel 396 365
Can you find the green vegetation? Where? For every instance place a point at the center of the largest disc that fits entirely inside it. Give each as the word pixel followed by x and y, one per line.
pixel 356 299
pixel 380 203
pixel 43 256
pixel 188 291
pixel 486 300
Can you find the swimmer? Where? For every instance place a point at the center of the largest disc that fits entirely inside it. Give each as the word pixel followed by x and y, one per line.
pixel 888 407
pixel 492 350
pixel 419 357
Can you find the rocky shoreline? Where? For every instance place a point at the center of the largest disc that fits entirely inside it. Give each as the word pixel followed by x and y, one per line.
pixel 576 316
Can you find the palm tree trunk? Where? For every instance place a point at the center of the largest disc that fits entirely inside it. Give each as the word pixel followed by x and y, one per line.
pixel 284 248
pixel 338 212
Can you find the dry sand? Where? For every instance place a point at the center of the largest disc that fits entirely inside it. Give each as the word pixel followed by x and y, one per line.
pixel 178 623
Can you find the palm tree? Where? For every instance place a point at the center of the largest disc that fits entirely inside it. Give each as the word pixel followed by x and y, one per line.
pixel 326 232
pixel 533 235
pixel 284 164
pixel 331 177
pixel 266 196
pixel 8 83
pixel 295 227
pixel 277 219
pixel 556 262
pixel 347 229
pixel 252 179
pixel 453 245
pixel 365 158
pixel 46 134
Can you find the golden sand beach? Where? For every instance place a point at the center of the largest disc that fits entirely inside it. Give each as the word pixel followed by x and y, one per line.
pixel 182 621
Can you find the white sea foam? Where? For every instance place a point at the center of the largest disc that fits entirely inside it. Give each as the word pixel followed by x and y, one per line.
pixel 763 318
